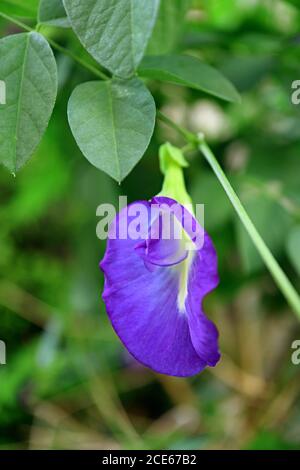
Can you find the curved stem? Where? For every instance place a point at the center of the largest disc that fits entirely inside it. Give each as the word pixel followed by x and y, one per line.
pixel 16 22
pixel 58 47
pixel 189 136
pixel 278 274
pixel 80 61
pixel 276 271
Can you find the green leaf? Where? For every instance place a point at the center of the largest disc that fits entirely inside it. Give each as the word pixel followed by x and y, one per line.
pixel 112 122
pixel 115 32
pixel 293 247
pixel 168 26
pixel 28 69
pixel 53 13
pixel 17 8
pixel 190 72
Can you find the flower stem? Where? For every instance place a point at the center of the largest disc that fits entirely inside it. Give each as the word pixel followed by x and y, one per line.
pixel 188 136
pixel 276 271
pixel 58 47
pixel 278 274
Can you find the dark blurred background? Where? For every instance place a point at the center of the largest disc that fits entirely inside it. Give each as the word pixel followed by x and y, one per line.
pixel 68 381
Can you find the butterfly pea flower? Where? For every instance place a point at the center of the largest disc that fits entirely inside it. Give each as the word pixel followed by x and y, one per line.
pixel 159 265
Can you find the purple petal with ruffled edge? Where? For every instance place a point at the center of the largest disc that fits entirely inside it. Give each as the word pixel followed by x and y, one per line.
pixel 154 292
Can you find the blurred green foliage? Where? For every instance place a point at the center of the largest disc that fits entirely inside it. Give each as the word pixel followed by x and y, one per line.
pixel 68 382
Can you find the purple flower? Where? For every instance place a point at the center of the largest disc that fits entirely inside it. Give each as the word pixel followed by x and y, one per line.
pixel 155 286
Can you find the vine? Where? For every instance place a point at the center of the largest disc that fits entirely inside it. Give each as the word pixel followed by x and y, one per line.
pixel 123 88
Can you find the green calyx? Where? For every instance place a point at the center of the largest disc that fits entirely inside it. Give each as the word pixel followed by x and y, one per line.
pixel 172 162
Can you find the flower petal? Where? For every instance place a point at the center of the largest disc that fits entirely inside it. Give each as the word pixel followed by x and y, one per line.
pixel 143 304
pixel 163 248
pixel 203 277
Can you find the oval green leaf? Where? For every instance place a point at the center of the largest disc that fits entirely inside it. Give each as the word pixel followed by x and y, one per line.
pixel 28 70
pixel 115 32
pixel 190 72
pixel 112 122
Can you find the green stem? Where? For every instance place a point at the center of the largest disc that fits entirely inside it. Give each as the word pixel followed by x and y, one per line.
pixel 278 274
pixel 80 61
pixel 58 47
pixel 15 21
pixel 192 138
pixel 276 271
